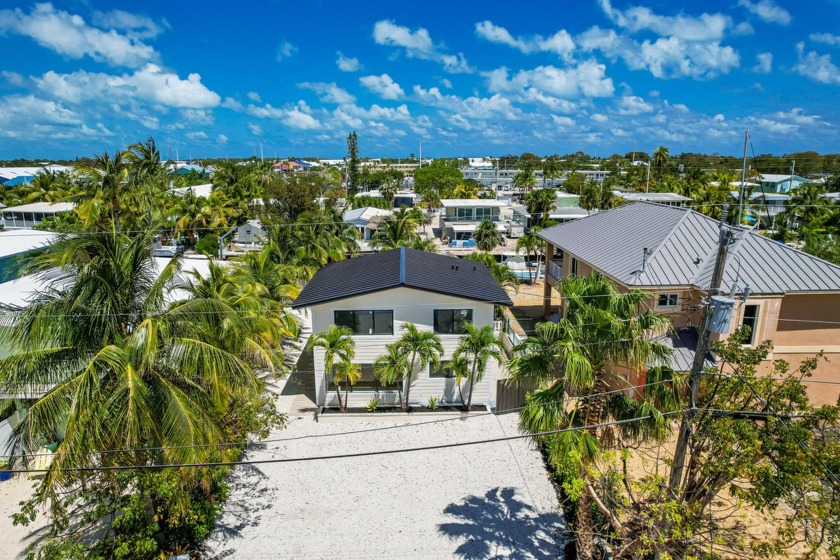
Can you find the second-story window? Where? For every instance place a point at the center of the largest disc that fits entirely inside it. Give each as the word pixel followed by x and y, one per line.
pixel 482 213
pixel 667 300
pixel 465 214
pixel 451 321
pixel 574 267
pixel 366 322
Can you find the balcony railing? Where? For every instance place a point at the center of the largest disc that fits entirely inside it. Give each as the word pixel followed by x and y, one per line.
pixel 555 269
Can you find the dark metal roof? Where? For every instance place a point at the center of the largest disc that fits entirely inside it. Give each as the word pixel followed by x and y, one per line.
pixel 402 267
pixel 682 245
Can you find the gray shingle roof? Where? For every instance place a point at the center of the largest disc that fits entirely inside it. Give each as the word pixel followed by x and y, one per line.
pixel 682 246
pixel 402 267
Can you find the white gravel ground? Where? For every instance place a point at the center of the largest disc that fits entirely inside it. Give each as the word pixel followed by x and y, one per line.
pixel 14 539
pixel 482 501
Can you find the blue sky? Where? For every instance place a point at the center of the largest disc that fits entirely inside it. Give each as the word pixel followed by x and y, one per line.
pixel 462 77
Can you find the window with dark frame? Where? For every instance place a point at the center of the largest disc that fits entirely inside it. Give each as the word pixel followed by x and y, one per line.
pixel 574 267
pixel 667 300
pixel 451 321
pixel 366 322
pixel 367 383
pixel 750 319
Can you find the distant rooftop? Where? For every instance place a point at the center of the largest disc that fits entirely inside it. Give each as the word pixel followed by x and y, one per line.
pixel 17 242
pixel 44 207
pixel 470 202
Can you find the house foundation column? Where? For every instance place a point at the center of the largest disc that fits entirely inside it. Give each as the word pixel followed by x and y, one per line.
pixel 549 252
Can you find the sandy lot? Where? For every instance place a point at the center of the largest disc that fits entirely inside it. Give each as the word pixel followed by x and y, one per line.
pixel 483 501
pixel 16 539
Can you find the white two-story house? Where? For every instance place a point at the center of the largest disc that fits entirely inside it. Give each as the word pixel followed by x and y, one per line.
pixel 375 295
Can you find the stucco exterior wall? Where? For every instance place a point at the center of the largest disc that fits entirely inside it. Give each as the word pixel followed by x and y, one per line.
pixel 408 305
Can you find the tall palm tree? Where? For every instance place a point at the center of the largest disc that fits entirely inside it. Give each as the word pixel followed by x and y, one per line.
pixel 116 365
pixel 339 349
pixel 551 168
pixel 541 202
pixel 424 349
pixel 478 346
pixel 531 243
pixel 525 180
pixel 661 156
pixel 602 333
pixel 105 185
pixel 486 236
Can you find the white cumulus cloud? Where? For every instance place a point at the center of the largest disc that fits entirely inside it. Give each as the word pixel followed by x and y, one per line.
pixel 767 11
pixel 329 92
pixel 285 50
pixel 384 86
pixel 418 44
pixel 825 39
pixel 69 35
pixel 763 63
pixel 561 43
pixel 150 83
pixel 137 25
pixel 346 63
pixel 815 66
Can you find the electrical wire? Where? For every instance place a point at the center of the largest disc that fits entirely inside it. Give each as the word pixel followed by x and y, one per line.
pixel 352 432
pixel 344 456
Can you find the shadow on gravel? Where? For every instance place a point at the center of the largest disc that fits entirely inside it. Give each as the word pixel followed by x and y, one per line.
pixel 499 525
pixel 252 498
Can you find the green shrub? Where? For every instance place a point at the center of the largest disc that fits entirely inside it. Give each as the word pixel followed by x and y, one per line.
pixel 207 245
pixel 372 405
pixel 433 403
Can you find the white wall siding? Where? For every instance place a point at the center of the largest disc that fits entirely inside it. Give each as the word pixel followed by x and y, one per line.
pixel 408 305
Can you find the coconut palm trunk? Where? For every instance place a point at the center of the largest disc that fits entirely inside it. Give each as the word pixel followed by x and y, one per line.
pixel 337 392
pixel 407 381
pixel 472 382
pixel 584 535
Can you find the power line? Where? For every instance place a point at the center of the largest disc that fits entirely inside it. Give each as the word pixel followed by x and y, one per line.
pixel 348 455
pixel 352 432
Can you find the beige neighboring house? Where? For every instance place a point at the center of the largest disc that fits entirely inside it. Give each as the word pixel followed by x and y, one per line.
pixel 793 298
pixel 375 295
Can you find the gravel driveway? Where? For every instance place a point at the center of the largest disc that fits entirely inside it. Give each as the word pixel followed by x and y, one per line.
pixel 482 501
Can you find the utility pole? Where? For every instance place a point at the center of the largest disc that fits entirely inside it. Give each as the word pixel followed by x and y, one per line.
pixel 743 180
pixel 724 237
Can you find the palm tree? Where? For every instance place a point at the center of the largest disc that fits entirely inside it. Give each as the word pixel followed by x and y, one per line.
pixel 461 368
pixel 541 202
pixel 478 346
pixel 118 368
pixel 425 350
pixel 194 212
pixel 391 367
pixel 339 350
pixel 551 168
pixel 661 156
pixel 349 373
pixel 486 236
pixel 525 180
pixel 502 274
pixel 399 230
pixel 531 243
pixel 104 189
pixel 47 186
pixel 426 244
pixel 602 333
